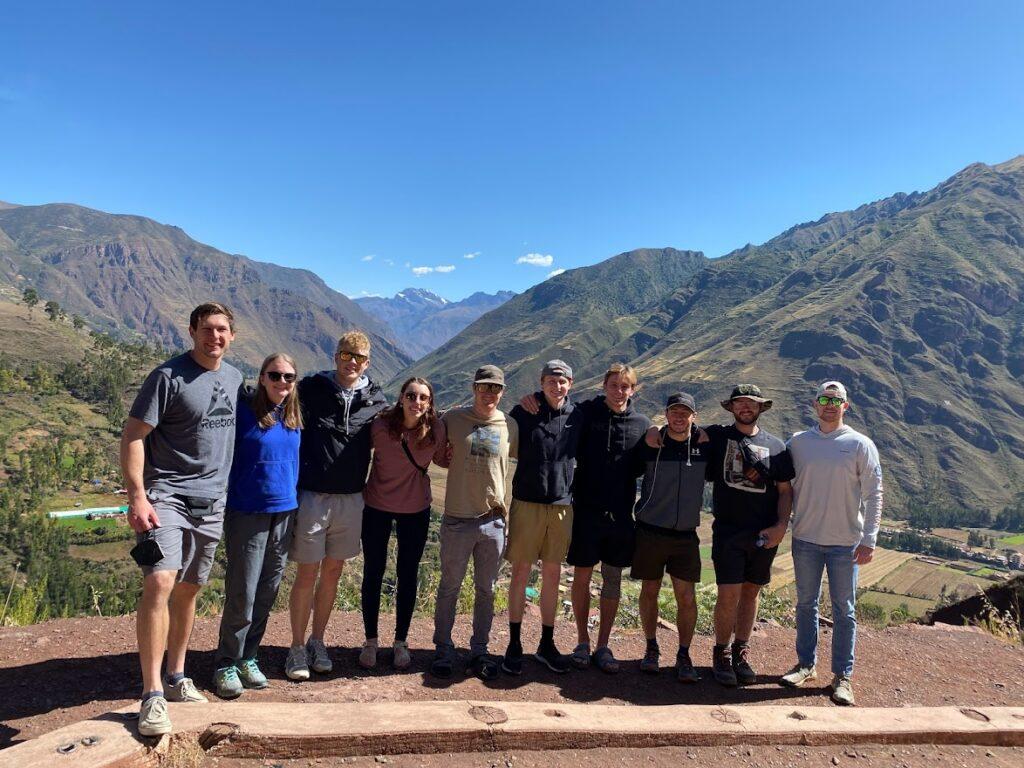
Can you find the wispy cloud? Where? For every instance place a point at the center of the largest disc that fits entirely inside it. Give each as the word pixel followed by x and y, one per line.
pixel 536 260
pixel 555 272
pixel 421 271
pixel 445 268
pixel 367 294
pixel 441 268
pixel 369 257
pixel 472 255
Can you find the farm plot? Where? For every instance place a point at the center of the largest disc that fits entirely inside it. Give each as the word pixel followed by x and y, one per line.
pixel 925 580
pixel 884 562
pixel 916 606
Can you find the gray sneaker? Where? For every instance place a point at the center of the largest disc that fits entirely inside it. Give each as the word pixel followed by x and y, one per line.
pixel 184 690
pixel 251 675
pixel 153 717
pixel 226 682
pixel 296 666
pixel 319 661
pixel 842 690
pixel 798 676
pixel 651 661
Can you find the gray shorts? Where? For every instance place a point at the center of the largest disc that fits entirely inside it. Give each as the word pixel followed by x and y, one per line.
pixel 327 525
pixel 188 543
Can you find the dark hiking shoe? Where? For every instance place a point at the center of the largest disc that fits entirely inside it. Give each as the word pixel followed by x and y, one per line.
pixel 651 661
pixel 722 666
pixel 484 666
pixel 441 667
pixel 685 672
pixel 745 674
pixel 512 664
pixel 549 656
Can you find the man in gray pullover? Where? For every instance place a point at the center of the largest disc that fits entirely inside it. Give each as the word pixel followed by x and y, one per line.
pixel 667 516
pixel 837 509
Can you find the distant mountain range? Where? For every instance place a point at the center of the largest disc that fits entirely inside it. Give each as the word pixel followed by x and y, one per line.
pixel 420 321
pixel 131 274
pixel 912 301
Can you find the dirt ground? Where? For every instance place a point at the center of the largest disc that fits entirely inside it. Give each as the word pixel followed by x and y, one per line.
pixel 59 672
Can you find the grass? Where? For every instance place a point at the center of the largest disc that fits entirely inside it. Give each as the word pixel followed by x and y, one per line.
pixel 915 606
pixel 987 573
pixel 105 552
pixel 81 524
pixel 1013 541
pixel 66 500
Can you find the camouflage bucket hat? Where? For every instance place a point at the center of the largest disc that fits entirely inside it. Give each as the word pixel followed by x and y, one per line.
pixel 749 391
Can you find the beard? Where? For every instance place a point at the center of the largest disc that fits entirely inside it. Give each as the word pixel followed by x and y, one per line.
pixel 747 419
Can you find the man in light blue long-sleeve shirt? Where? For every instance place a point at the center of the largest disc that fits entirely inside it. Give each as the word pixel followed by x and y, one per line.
pixel 837 509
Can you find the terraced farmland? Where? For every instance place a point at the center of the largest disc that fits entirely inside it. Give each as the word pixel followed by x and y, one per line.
pixel 884 562
pixel 926 580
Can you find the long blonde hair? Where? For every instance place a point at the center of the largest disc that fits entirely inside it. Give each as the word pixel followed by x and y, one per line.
pixel 264 409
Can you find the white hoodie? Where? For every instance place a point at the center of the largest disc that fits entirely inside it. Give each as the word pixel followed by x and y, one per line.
pixel 837 491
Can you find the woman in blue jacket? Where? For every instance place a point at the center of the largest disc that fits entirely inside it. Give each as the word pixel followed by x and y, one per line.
pixel 259 520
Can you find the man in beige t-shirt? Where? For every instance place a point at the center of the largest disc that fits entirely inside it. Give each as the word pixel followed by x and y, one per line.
pixel 475 511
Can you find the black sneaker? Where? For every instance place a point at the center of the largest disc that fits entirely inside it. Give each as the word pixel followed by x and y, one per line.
pixel 512 664
pixel 685 672
pixel 484 666
pixel 745 674
pixel 722 666
pixel 552 659
pixel 441 667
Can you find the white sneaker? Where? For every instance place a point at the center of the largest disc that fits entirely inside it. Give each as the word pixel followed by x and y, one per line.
pixel 368 656
pixel 842 690
pixel 318 658
pixel 296 666
pixel 401 659
pixel 184 690
pixel 798 676
pixel 153 717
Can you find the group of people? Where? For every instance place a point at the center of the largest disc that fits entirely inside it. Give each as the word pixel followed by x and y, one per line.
pixel 318 469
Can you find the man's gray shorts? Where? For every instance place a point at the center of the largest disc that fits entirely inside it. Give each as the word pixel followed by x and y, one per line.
pixel 327 525
pixel 188 543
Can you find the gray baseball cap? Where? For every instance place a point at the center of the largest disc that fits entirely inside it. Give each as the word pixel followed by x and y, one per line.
pixel 556 368
pixel 489 374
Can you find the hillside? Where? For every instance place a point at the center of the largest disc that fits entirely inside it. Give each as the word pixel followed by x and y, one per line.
pixel 132 275
pixel 913 301
pixel 577 316
pixel 420 321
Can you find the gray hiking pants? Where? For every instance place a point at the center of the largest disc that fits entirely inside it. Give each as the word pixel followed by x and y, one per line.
pixel 483 539
pixel 257 551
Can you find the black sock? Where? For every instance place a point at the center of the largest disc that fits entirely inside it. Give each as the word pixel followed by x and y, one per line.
pixel 514 642
pixel 652 644
pixel 684 650
pixel 737 644
pixel 547 635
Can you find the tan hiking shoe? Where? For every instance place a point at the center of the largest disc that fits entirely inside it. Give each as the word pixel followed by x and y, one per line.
pixel 842 690
pixel 798 676
pixel 368 656
pixel 153 717
pixel 184 690
pixel 401 658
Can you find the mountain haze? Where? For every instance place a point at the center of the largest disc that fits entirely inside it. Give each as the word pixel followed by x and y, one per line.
pixel 129 273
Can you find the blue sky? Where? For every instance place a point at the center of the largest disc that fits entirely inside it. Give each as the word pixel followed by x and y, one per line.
pixel 320 135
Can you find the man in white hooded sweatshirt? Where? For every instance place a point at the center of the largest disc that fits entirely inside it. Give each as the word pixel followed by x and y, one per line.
pixel 837 509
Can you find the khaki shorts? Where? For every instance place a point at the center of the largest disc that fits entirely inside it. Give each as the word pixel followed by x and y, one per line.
pixel 538 532
pixel 327 525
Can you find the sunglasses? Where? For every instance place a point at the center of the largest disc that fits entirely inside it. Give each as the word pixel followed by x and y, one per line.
pixel 494 389
pixel 345 355
pixel 276 376
pixel 417 397
pixel 835 402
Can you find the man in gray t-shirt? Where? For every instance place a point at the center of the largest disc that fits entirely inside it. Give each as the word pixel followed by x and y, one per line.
pixel 176 452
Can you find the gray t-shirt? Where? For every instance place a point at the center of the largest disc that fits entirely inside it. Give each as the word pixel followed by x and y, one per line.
pixel 192 412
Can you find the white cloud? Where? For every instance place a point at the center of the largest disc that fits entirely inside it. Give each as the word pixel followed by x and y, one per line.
pixel 388 262
pixel 421 271
pixel 369 257
pixel 536 260
pixel 555 272
pixel 442 269
pixel 472 255
pixel 445 268
pixel 367 294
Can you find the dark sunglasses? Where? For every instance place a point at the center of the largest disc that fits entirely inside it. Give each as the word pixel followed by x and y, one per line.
pixel 835 402
pixel 346 356
pixel 492 388
pixel 413 397
pixel 277 376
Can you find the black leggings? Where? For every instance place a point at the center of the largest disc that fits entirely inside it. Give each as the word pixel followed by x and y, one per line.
pixel 412 536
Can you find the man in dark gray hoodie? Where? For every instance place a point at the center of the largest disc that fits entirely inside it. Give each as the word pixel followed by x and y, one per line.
pixel 667 516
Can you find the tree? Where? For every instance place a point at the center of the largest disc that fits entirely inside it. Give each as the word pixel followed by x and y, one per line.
pixel 52 308
pixel 77 322
pixel 29 298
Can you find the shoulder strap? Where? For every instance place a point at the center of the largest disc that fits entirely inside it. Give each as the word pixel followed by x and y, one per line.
pixel 409 456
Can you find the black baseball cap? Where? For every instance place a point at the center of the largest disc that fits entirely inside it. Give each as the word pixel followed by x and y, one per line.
pixel 681 398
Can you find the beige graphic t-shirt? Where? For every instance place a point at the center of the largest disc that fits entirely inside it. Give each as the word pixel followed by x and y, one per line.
pixel 477 476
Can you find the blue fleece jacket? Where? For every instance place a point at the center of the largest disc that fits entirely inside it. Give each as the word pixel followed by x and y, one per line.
pixel 265 470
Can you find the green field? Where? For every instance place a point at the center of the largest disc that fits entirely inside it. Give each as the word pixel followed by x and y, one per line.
pixel 916 607
pixel 81 524
pixel 987 573
pixel 1012 541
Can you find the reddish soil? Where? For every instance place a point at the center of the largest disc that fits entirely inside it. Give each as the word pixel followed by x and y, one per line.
pixel 59 672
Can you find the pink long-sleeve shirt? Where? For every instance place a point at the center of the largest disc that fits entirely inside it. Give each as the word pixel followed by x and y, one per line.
pixel 395 485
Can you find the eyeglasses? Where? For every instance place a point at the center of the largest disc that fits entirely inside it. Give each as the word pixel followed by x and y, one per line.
pixel 494 389
pixel 420 397
pixel 345 355
pixel 276 376
pixel 835 402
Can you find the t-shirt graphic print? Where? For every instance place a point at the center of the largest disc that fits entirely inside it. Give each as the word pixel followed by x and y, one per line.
pixel 485 441
pixel 732 467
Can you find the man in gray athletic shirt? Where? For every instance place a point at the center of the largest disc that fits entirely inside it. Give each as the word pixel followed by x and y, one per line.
pixel 176 452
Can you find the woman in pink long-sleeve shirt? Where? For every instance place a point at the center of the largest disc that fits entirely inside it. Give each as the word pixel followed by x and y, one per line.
pixel 405 439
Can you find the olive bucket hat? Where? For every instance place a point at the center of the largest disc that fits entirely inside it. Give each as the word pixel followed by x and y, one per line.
pixel 749 391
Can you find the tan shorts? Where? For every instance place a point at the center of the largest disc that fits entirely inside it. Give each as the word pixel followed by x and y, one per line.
pixel 538 532
pixel 327 525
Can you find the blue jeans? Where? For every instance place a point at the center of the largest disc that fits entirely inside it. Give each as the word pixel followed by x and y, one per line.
pixel 809 562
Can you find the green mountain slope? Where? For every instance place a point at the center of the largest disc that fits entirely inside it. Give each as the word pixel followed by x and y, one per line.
pixel 130 273
pixel 576 316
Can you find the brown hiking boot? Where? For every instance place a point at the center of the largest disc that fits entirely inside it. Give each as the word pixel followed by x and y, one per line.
pixel 722 666
pixel 745 674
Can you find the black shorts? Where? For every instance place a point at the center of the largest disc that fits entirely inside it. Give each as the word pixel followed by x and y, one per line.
pixel 737 560
pixel 675 551
pixel 599 540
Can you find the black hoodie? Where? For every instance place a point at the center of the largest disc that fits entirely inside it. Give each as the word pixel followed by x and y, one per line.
pixel 605 481
pixel 547 452
pixel 334 456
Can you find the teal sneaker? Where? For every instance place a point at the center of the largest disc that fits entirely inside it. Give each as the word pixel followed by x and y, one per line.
pixel 227 683
pixel 250 674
